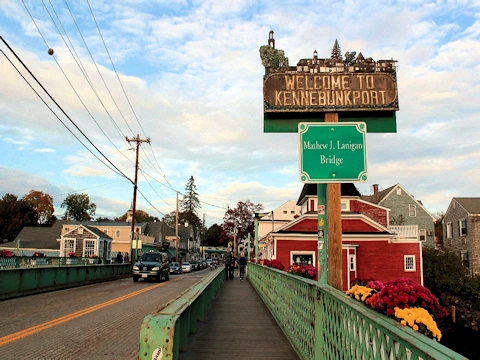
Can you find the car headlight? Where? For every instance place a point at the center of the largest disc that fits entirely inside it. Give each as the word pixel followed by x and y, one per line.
pixel 156 268
pixel 135 267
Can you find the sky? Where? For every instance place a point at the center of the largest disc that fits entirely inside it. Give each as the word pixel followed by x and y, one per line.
pixel 188 76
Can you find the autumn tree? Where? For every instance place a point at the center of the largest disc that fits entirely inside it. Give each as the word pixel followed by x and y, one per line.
pixel 78 207
pixel 14 215
pixel 42 203
pixel 240 219
pixel 169 219
pixel 140 216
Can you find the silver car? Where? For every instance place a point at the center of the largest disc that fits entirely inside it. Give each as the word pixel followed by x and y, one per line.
pixel 187 267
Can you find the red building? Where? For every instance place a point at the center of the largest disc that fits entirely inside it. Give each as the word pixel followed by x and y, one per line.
pixel 370 249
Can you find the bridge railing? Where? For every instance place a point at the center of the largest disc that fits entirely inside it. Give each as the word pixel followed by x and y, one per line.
pixel 164 334
pixel 323 323
pixel 16 262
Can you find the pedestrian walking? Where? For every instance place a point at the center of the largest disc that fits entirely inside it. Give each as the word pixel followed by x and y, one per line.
pixel 242 264
pixel 228 260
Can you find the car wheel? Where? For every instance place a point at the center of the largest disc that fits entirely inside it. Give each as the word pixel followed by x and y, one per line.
pixel 135 279
pixel 167 277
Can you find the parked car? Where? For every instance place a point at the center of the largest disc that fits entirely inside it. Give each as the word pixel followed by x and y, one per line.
pixel 151 265
pixel 187 267
pixel 195 265
pixel 204 264
pixel 175 268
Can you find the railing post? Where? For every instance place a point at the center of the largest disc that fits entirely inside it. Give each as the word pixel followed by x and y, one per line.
pixel 319 326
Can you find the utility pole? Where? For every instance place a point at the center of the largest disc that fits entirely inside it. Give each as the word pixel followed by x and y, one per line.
pixel 176 228
pixel 132 231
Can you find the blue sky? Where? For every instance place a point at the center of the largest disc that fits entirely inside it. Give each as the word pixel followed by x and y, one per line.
pixel 193 75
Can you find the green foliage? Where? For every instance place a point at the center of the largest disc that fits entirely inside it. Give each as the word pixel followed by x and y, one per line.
pixel 212 235
pixel 140 216
pixel 14 215
pixel 445 275
pixel 78 207
pixel 273 58
pixel 350 56
pixel 336 51
pixel 190 206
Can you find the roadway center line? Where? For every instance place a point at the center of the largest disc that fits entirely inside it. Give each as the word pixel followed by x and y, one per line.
pixel 37 328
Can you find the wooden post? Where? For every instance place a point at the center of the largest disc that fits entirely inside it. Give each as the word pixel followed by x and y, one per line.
pixel 335 264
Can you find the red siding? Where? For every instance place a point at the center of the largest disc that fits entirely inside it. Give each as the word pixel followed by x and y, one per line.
pixel 307 225
pixel 357 225
pixel 377 260
pixel 370 210
pixel 285 246
pixel 385 262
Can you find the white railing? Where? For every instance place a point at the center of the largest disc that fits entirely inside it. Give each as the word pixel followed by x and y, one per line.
pixel 405 232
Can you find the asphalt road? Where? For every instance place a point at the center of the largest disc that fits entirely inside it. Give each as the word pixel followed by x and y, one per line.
pixel 100 321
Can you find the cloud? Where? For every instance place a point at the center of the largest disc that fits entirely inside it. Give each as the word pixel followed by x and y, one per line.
pixel 45 150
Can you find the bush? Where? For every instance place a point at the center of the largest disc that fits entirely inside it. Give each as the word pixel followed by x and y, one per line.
pixel 306 271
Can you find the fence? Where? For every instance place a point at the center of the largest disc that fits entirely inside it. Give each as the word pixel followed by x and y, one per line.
pixel 165 334
pixel 323 323
pixel 16 262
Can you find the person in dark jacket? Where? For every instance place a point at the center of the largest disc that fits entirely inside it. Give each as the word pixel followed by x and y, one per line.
pixel 242 264
pixel 228 261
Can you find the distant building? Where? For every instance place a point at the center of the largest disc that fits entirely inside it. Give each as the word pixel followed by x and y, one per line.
pixel 461 231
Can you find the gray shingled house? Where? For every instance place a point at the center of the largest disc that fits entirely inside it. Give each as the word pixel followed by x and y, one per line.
pixel 408 216
pixel 461 231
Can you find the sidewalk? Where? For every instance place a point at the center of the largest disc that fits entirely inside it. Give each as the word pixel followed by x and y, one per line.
pixel 239 326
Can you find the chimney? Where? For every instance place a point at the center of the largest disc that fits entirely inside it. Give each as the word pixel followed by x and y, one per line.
pixel 375 189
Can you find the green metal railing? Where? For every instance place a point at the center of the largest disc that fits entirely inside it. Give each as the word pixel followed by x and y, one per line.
pixel 323 323
pixel 164 334
pixel 16 262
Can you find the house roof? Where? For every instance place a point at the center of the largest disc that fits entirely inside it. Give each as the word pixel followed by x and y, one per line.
pixel 98 232
pixel 40 237
pixel 379 196
pixel 471 205
pixel 104 223
pixel 346 189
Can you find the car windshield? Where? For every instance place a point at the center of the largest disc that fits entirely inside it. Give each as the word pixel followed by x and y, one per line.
pixel 186 264
pixel 150 257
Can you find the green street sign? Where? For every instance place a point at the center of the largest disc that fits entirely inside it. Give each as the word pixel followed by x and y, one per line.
pixel 332 152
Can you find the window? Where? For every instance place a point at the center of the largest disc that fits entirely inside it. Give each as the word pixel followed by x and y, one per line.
pixel 117 233
pixel 80 230
pixel 352 264
pixel 292 211
pixel 462 227
pixel 399 191
pixel 449 230
pixel 69 245
pixel 412 210
pixel 344 205
pixel 302 257
pixel 409 262
pixel 67 229
pixel 429 233
pixel 89 248
pixel 109 250
pixel 100 248
pixel 465 259
pixel 422 234
pixel 285 211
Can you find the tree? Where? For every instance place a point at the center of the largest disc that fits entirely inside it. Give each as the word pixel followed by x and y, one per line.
pixel 438 228
pixel 140 216
pixel 169 219
pixel 273 58
pixel 14 215
pixel 336 52
pixel 240 219
pixel 104 219
pixel 190 205
pixel 350 56
pixel 42 203
pixel 212 235
pixel 78 207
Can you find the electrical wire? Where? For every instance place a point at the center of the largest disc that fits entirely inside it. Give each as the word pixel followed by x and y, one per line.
pixel 118 172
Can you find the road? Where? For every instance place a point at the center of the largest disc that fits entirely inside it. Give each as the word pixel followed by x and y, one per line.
pixel 100 321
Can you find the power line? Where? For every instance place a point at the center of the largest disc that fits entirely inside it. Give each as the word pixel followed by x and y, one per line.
pixel 73 88
pixel 61 109
pixel 125 93
pixel 119 172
